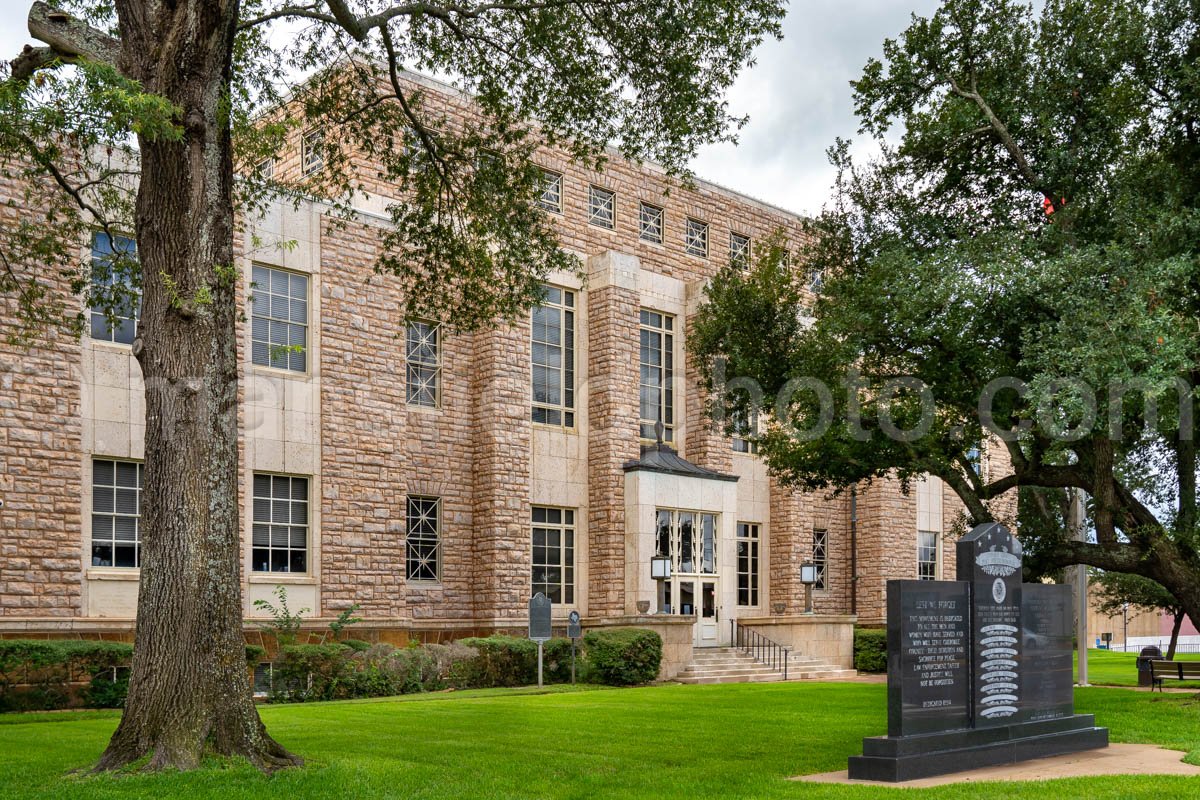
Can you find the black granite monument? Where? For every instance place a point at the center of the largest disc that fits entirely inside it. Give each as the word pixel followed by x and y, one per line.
pixel 979 670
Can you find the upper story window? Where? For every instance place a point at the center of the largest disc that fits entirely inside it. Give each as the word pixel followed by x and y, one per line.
pixel 820 557
pixel 279 540
pixel 551 196
pixel 650 223
pixel 602 207
pixel 554 553
pixel 114 263
pixel 265 168
pixel 739 250
pixel 927 555
pixel 745 428
pixel 279 319
pixel 816 281
pixel 552 371
pixel 695 237
pixel 423 553
pixel 657 356
pixel 423 354
pixel 313 154
pixel 116 513
pixel 747 563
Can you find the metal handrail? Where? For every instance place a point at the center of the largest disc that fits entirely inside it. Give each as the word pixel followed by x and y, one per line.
pixel 759 647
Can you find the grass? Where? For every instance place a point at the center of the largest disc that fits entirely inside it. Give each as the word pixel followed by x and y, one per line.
pixel 1110 668
pixel 657 742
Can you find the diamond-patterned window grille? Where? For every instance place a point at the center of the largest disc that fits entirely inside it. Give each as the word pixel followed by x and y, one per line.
pixel 423 352
pixel 927 555
pixel 695 237
pixel 650 223
pixel 423 554
pixel 280 529
pixel 554 553
pixel 602 207
pixel 116 513
pixel 312 151
pixel 552 369
pixel 820 556
pixel 747 563
pixel 739 250
pixel 551 197
pixel 279 319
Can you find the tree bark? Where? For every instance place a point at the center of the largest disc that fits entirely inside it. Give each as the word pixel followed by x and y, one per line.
pixel 189 689
pixel 1175 635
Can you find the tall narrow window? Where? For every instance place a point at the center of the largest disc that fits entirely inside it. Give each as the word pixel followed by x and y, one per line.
pixel 657 373
pixel 423 559
pixel 602 207
pixel 553 354
pixel 116 513
pixel 650 223
pixel 279 319
pixel 280 532
pixel 423 354
pixel 554 553
pixel 695 237
pixel 739 250
pixel 312 147
pixel 747 564
pixel 820 557
pixel 745 428
pixel 116 300
pixel 927 555
pixel 551 198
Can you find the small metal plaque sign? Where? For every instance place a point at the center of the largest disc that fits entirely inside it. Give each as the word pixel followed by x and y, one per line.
pixel 539 618
pixel 574 626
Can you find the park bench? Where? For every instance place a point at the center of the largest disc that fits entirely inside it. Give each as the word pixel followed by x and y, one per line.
pixel 1174 670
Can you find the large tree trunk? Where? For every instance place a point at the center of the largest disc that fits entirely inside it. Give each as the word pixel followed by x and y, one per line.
pixel 189 689
pixel 1175 635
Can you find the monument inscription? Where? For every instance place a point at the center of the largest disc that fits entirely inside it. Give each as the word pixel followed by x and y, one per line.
pixel 1046 638
pixel 928 683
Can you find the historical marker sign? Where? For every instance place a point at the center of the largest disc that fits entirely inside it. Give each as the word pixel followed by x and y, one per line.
pixel 929 687
pixel 574 626
pixel 539 618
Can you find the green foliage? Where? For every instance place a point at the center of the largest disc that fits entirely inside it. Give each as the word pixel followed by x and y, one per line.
pixel 623 656
pixel 49 674
pixel 1115 590
pixel 501 661
pixel 305 672
pixel 255 654
pixel 344 620
pixel 870 650
pixel 283 625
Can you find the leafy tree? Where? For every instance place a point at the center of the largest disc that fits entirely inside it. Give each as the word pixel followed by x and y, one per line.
pixel 1018 266
pixel 132 116
pixel 1116 591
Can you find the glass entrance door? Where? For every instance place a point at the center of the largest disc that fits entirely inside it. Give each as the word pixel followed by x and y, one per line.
pixel 689 539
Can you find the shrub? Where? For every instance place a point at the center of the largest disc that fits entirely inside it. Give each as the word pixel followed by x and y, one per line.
pixel 870 650
pixel 305 672
pixel 255 655
pixel 501 661
pixel 449 660
pixel 383 670
pixel 47 674
pixel 623 656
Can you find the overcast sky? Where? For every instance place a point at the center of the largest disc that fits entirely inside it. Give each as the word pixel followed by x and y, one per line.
pixel 797 96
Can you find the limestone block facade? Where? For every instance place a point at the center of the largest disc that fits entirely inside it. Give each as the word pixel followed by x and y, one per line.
pixel 437 479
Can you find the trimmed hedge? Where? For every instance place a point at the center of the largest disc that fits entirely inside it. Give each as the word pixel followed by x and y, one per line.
pixel 870 650
pixel 511 661
pixel 623 656
pixel 39 675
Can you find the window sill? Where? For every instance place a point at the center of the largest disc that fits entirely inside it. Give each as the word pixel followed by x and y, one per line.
pixel 115 347
pixel 424 585
pixel 546 426
pixel 281 373
pixel 290 578
pixel 113 573
pixel 416 408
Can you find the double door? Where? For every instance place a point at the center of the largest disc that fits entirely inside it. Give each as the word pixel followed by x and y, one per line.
pixel 689 538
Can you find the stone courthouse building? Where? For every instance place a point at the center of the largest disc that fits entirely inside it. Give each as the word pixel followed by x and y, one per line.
pixel 439 479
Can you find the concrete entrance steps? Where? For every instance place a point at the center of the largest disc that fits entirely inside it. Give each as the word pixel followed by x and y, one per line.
pixel 729 665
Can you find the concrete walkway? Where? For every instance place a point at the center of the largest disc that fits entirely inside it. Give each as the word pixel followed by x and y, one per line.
pixel 1116 759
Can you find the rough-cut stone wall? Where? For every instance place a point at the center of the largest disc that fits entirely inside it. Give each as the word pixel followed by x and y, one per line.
pixel 502 448
pixel 785 549
pixel 613 313
pixel 887 544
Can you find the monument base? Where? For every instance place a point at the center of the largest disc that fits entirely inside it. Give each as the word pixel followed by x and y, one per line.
pixel 905 758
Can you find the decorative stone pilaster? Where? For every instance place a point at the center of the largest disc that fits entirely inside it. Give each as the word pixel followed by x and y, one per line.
pixel 706 445
pixel 612 421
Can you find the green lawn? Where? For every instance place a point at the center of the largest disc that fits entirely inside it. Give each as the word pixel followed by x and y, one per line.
pixel 666 741
pixel 1108 668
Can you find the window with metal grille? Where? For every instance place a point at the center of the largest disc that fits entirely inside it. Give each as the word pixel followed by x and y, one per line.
pixel 695 237
pixel 657 356
pixel 927 555
pixel 602 207
pixel 423 355
pixel 553 358
pixel 279 319
pixel 116 513
pixel 313 155
pixel 739 250
pixel 554 553
pixel 551 196
pixel 820 557
pixel 747 563
pixel 650 223
pixel 280 524
pixel 689 539
pixel 116 299
pixel 423 540
pixel 265 168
